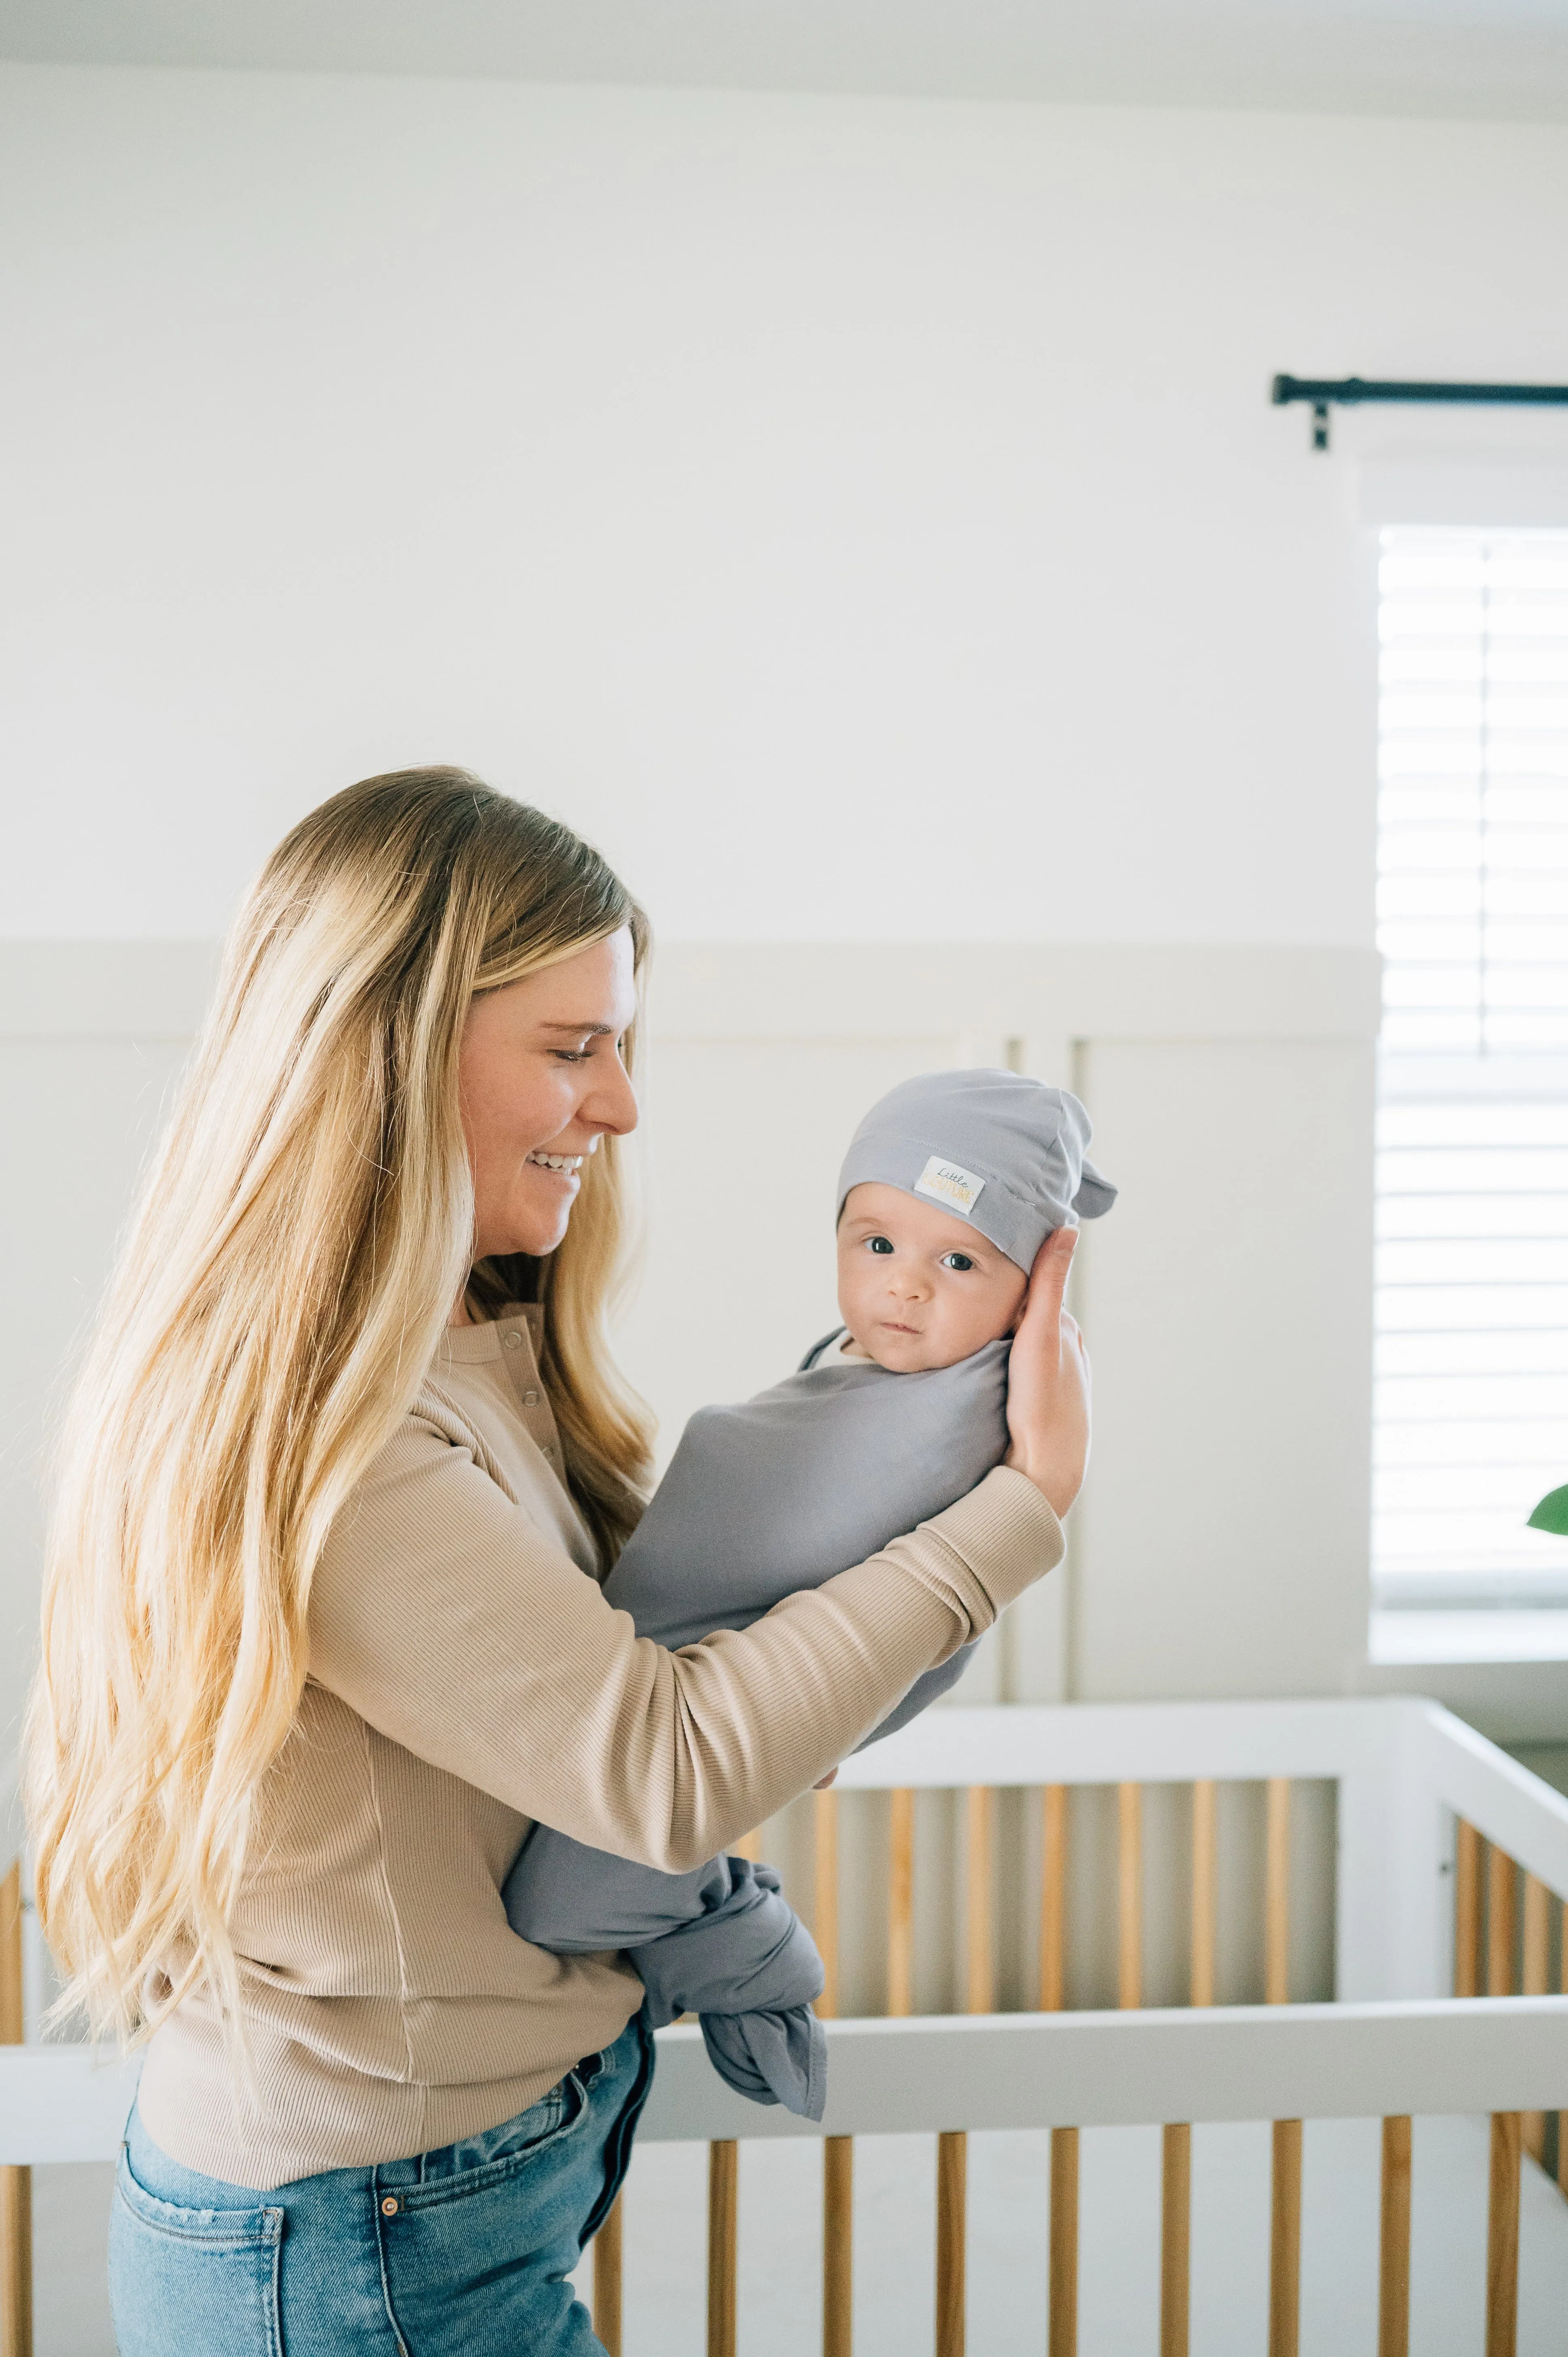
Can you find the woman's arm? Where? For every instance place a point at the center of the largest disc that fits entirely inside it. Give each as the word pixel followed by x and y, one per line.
pixel 444 1615
pixel 452 1624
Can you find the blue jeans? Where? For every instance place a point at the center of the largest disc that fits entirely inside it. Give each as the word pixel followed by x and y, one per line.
pixel 466 2249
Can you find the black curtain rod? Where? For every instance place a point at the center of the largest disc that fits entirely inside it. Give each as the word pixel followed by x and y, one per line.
pixel 1349 390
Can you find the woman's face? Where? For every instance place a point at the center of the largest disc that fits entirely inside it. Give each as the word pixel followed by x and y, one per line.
pixel 541 1080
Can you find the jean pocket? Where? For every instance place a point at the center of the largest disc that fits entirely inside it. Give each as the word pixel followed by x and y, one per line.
pixel 201 2282
pixel 477 2162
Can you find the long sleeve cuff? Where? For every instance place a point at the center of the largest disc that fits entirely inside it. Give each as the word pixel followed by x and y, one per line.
pixel 996 1542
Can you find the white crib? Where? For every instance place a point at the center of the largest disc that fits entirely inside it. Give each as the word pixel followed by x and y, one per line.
pixel 1440 1906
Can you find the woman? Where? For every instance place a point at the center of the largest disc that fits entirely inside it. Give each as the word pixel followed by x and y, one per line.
pixel 323 1633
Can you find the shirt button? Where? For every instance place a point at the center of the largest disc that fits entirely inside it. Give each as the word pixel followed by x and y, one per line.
pixel 388 2207
pixel 531 1399
pixel 515 1341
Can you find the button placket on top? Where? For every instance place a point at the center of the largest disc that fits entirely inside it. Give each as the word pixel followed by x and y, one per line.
pixel 518 1356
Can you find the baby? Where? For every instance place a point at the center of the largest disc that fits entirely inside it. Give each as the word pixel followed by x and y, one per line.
pixel 951 1185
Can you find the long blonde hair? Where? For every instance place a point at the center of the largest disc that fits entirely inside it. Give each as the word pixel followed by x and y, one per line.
pixel 300 1240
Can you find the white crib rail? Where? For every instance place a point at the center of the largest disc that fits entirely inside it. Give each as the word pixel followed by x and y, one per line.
pixel 1396 2044
pixel 1128 2069
pixel 949 2076
pixel 999 2071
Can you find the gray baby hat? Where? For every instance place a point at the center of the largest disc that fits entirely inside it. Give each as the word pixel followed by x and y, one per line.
pixel 1004 1152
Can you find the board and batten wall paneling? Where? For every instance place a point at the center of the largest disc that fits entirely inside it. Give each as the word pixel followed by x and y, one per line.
pixel 796 1041
pixel 93 1036
pixel 1222 1544
pixel 80 1116
pixel 1240 1141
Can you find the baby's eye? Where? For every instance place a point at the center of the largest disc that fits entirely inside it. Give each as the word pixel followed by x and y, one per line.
pixel 956 1260
pixel 878 1245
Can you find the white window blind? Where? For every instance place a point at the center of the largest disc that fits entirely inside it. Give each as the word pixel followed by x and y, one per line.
pixel 1471 1409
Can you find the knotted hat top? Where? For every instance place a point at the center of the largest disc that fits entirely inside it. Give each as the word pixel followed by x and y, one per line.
pixel 1004 1152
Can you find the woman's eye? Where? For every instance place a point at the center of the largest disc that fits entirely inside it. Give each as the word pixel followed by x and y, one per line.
pixel 878 1244
pixel 572 1055
pixel 956 1260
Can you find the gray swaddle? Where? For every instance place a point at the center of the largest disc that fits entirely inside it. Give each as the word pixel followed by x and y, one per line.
pixel 779 1493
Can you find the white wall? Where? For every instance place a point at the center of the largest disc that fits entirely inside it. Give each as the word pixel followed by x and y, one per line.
pixel 866 520
pixel 865 517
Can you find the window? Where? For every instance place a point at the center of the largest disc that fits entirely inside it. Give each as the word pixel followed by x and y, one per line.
pixel 1471 1416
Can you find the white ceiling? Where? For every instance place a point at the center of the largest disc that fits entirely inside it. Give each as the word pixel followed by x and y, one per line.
pixel 1467 57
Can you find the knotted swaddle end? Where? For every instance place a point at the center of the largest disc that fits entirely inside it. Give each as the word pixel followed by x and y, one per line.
pixel 749 1969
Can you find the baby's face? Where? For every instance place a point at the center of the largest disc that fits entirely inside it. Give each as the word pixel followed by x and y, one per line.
pixel 918 1287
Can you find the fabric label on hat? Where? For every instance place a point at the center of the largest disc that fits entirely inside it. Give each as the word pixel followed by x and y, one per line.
pixel 946 1182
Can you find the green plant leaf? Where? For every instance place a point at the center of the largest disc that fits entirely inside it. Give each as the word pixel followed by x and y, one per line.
pixel 1551 1514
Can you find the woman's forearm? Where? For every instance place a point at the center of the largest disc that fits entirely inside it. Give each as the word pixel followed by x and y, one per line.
pixel 444 1617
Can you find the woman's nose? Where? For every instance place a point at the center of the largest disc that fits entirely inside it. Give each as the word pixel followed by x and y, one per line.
pixel 611 1103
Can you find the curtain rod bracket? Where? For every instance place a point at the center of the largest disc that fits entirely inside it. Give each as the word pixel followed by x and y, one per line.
pixel 1351 390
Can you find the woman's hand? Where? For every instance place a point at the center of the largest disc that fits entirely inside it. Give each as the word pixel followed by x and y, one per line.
pixel 1047 1381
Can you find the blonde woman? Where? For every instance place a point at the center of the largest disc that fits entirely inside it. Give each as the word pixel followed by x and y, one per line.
pixel 323 1633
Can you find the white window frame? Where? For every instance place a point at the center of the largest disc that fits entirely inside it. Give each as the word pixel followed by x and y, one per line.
pixel 1473 1102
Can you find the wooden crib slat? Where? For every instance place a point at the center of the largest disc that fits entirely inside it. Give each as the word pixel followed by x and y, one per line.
pixel 1502 2237
pixel 1393 2243
pixel 838 2152
pixel 11 2030
pixel 1285 2242
pixel 1502 1882
pixel 16 2261
pixel 1175 2175
pixel 1205 1887
pixel 723 2189
pixel 838 2246
pixel 1537 1936
pixel 953 2166
pixel 901 1901
pixel 1062 2297
pixel 825 1897
pixel 1130 1895
pixel 1536 1958
pixel 1053 1897
pixel 16 2184
pixel 607 2281
pixel 1276 1901
pixel 1176 2240
pixel 750 1845
pixel 1466 1909
pixel 980 1975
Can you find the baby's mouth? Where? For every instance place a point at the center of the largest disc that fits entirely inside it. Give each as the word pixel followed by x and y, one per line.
pixel 564 1164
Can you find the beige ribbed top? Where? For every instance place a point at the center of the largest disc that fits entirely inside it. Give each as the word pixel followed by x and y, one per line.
pixel 467 1677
